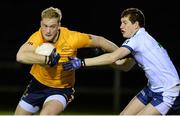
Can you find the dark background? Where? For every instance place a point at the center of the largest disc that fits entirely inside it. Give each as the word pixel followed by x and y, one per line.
pixel 95 86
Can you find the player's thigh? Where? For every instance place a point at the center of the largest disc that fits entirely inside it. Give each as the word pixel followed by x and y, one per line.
pixel 134 106
pixel 52 107
pixel 20 111
pixel 149 110
pixel 54 104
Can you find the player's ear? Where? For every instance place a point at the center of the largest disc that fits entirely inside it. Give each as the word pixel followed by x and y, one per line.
pixel 136 24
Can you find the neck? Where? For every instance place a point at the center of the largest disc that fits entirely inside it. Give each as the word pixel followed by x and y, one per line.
pixel 136 31
pixel 56 37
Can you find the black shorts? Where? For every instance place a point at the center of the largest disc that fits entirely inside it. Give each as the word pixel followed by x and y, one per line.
pixel 36 93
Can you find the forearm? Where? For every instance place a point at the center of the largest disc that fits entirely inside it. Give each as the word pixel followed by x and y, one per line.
pixel 27 55
pixel 107 58
pixel 99 60
pixel 30 58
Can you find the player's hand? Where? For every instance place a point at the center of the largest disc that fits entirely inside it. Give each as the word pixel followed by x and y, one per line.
pixel 53 58
pixel 73 64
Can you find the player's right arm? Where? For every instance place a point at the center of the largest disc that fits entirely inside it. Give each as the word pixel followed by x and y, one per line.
pixel 124 64
pixel 27 55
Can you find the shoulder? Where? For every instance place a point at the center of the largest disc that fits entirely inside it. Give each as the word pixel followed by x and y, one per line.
pixel 141 33
pixel 66 30
pixel 36 34
pixel 36 37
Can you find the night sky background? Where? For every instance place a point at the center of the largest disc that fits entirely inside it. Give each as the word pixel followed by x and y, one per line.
pixel 19 19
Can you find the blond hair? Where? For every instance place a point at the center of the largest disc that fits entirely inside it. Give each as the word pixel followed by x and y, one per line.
pixel 52 12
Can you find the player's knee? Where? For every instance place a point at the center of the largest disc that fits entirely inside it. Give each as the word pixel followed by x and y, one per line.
pixel 20 111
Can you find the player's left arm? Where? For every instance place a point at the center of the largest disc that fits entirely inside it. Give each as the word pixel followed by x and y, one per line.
pixel 105 59
pixel 103 43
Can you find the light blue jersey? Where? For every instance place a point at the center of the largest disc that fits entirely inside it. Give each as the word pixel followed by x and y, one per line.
pixel 154 60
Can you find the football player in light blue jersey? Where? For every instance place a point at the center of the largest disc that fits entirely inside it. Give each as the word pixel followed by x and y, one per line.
pixel 163 88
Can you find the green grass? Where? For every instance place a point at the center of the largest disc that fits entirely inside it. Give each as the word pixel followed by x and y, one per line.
pixel 6 113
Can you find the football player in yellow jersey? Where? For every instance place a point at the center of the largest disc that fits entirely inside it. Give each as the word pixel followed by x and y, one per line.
pixel 51 88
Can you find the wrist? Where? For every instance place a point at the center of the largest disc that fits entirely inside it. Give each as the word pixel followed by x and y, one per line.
pixel 46 59
pixel 83 64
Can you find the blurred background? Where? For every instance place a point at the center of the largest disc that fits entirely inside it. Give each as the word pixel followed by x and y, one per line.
pixel 99 90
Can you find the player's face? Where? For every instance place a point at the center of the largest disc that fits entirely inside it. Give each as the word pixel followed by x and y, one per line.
pixel 127 28
pixel 49 27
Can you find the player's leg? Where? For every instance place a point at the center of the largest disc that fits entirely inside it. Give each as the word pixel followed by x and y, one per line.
pixel 57 100
pixel 53 105
pixel 20 111
pixel 23 108
pixel 149 110
pixel 134 106
pixel 162 102
pixel 27 105
pixel 137 103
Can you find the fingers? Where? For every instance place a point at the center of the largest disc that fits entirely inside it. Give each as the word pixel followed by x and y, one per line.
pixel 53 58
pixel 73 64
pixel 67 66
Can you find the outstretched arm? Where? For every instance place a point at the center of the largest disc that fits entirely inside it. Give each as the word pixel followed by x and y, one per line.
pixel 107 58
pixel 104 59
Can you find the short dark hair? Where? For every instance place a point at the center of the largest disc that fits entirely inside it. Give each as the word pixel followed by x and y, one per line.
pixel 134 15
